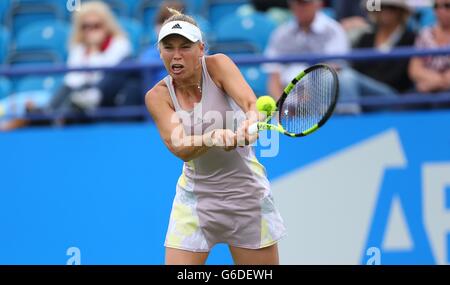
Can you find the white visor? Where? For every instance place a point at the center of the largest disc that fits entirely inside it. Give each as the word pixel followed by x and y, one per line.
pixel 182 28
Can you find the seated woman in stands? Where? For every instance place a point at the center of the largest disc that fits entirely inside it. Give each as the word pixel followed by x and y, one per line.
pixel 97 41
pixel 388 77
pixel 432 74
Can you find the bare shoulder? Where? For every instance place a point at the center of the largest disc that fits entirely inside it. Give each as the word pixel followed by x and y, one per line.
pixel 157 92
pixel 218 65
pixel 217 61
pixel 157 97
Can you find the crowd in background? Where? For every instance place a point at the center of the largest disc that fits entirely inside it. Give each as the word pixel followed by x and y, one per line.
pixel 303 27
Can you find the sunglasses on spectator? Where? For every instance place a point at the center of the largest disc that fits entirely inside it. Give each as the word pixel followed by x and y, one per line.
pixel 442 5
pixel 91 26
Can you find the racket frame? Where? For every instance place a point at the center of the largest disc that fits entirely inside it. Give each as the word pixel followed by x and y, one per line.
pixel 266 126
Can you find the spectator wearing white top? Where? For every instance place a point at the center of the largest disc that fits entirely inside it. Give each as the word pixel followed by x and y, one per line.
pixel 311 32
pixel 97 41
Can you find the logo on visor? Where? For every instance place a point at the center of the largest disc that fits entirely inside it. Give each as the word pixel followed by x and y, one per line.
pixel 177 26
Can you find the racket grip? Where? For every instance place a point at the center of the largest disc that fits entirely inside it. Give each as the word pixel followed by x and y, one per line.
pixel 253 129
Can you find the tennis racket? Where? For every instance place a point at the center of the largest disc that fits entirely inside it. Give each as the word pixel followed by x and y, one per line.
pixel 306 103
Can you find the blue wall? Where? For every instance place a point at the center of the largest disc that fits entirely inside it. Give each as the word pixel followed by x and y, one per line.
pixel 108 189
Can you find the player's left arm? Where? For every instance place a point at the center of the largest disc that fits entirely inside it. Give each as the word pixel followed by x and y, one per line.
pixel 228 77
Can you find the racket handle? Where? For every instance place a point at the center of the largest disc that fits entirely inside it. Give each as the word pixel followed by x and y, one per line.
pixel 253 129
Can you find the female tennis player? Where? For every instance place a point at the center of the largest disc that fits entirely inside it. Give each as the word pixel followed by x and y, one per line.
pixel 223 194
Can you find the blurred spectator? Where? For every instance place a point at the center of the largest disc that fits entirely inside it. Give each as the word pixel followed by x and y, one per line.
pixel 310 32
pixel 353 18
pixel 432 73
pixel 385 77
pixel 97 41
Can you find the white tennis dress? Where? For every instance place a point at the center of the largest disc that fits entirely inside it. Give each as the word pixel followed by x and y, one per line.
pixel 221 197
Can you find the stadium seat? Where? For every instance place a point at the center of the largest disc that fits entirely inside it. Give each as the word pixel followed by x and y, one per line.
pixel 4 7
pixel 255 29
pixel 134 31
pixel 196 7
pixel 119 7
pixel 146 13
pixel 5 87
pixel 4 43
pixel 44 36
pixel 34 61
pixel 256 78
pixel 122 8
pixel 149 38
pixel 51 2
pixel 132 6
pixel 146 10
pixel 205 26
pixel 38 83
pixel 31 89
pixel 33 58
pixel 218 9
pixel 28 12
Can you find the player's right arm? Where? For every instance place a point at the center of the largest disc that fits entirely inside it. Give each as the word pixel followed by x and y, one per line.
pixel 171 130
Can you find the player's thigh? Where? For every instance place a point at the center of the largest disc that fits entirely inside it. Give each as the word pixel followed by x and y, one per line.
pixel 263 256
pixel 182 257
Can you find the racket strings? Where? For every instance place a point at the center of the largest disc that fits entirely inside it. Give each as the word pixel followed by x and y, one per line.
pixel 308 101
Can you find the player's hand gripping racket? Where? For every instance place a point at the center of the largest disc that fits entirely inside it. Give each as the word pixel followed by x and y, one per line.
pixel 305 105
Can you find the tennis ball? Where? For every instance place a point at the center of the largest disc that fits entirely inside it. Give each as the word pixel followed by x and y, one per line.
pixel 266 104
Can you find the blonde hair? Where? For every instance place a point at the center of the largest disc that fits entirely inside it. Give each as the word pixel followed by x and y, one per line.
pixel 164 13
pixel 178 16
pixel 101 10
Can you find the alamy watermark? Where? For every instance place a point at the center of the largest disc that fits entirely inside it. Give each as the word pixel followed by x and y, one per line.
pixel 75 256
pixel 73 5
pixel 373 5
pixel 374 254
pixel 227 127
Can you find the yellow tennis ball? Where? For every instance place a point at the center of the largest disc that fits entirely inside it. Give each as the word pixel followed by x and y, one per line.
pixel 266 104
